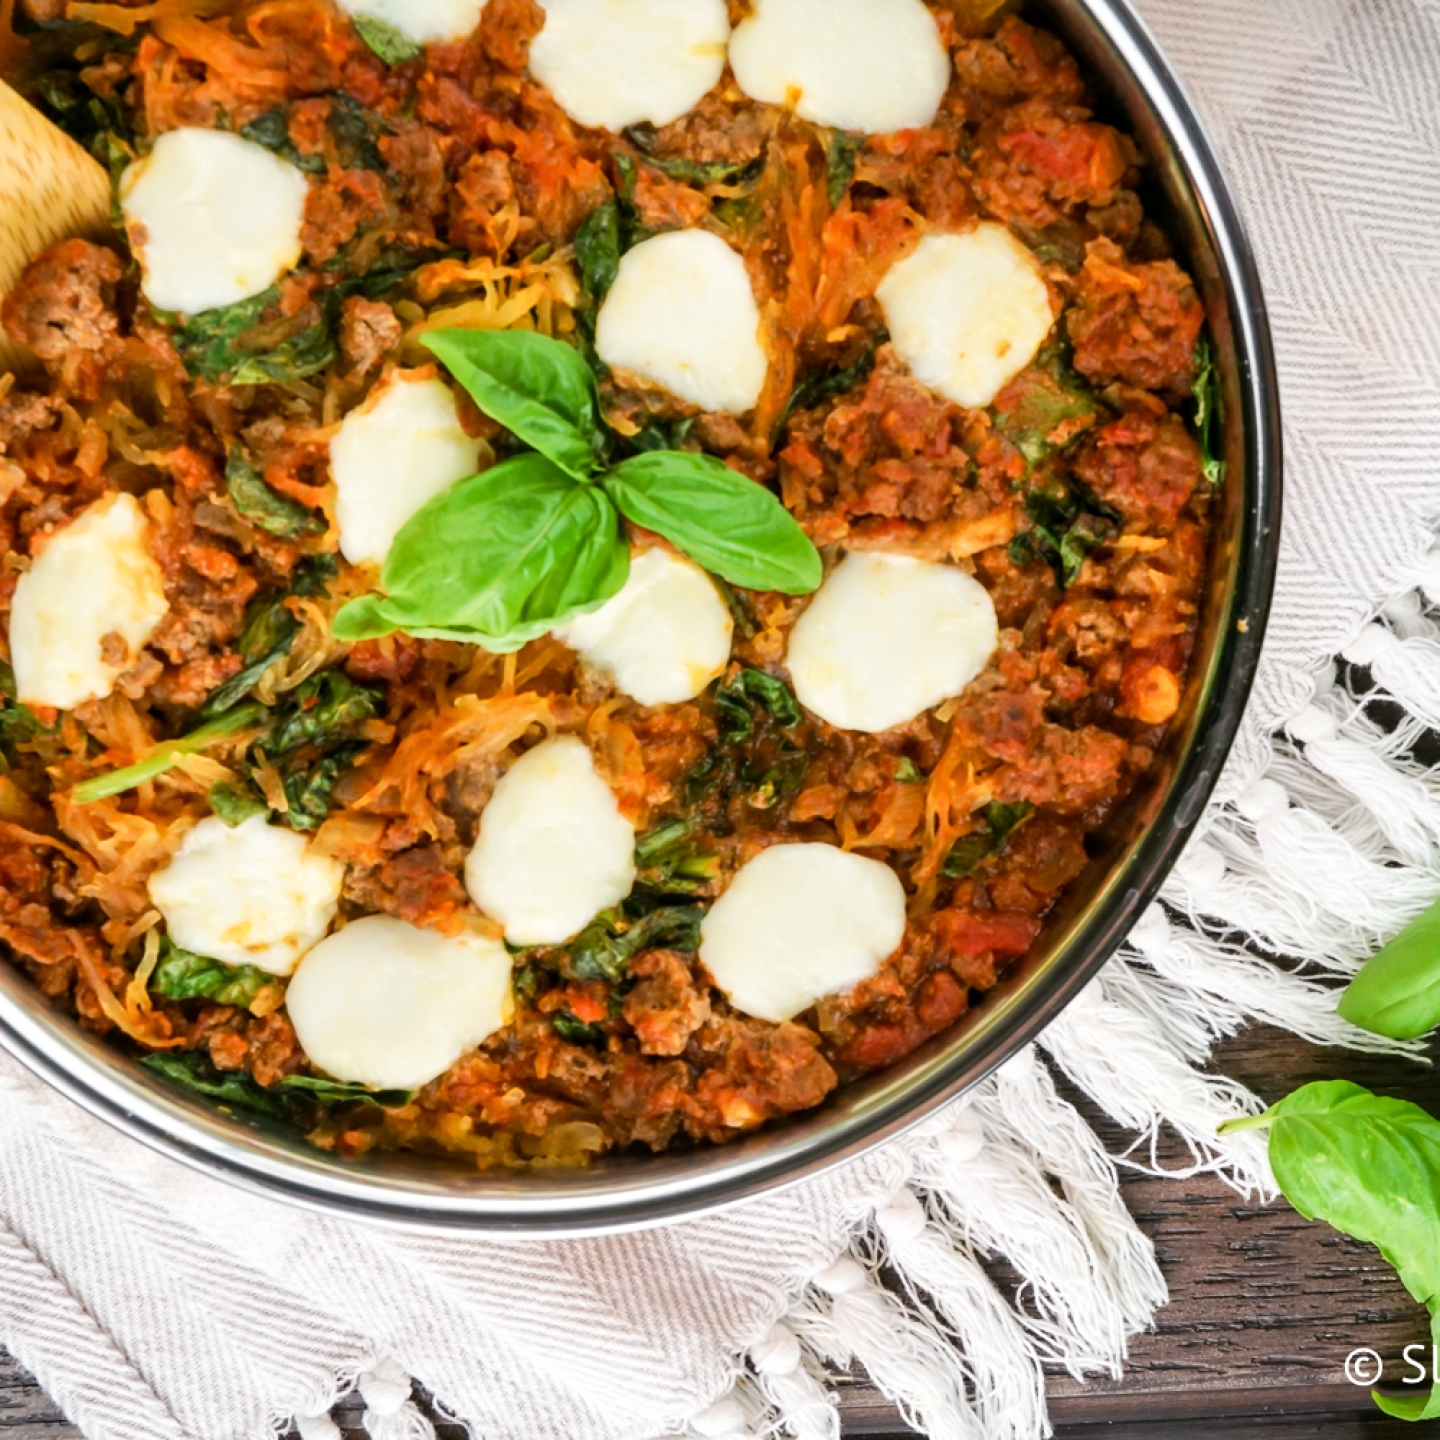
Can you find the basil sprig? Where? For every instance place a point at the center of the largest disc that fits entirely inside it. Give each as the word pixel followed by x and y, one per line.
pixel 1397 992
pixel 503 557
pixel 1369 1166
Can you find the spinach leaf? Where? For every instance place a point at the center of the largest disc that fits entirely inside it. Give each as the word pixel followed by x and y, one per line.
pixel 270 630
pixel 842 153
pixel 232 1088
pixel 234 805
pixel 116 782
pixel 272 512
pixel 908 772
pixel 821 385
pixel 327 707
pixel 18 723
pixel 313 575
pixel 385 40
pixel 668 862
pixel 1369 1166
pixel 597 252
pixel 339 1092
pixel 183 975
pixel 576 1032
pixel 302 353
pixel 356 132
pixel 272 130
pixel 1066 524
pixel 1209 411
pixel 1048 407
pixel 497 560
pixel 538 388
pixel 721 519
pixel 1397 992
pixel 645 138
pixel 748 691
pixel 607 945
pixel 213 344
pixel 967 853
pixel 309 785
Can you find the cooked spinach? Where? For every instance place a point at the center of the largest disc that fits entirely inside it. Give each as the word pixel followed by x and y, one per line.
pixel 967 853
pixel 1208 416
pixel 235 805
pixel 309 785
pixel 645 138
pixel 908 772
pixel 576 1032
pixel 300 1099
pixel 1066 524
pixel 313 576
pixel 820 385
pixel 841 154
pixel 339 1092
pixel 270 630
pixel 1050 408
pixel 668 861
pixel 758 754
pixel 322 710
pixel 356 132
pixel 18 723
pixel 272 512
pixel 1370 1166
pixel 272 130
pixel 183 975
pixel 607 945
pixel 385 40
pixel 747 693
pixel 302 353
pixel 597 253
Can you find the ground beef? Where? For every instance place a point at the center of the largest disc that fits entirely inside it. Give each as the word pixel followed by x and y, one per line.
pixel 63 309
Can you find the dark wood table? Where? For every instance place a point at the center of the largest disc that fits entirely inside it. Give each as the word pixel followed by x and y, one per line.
pixel 1264 1306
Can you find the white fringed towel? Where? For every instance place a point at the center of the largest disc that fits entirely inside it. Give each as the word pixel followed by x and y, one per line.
pixel 157 1305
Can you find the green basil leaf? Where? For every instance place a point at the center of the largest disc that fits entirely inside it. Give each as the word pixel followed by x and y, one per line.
pixel 337 1092
pixel 183 975
pixel 539 389
pixel 385 40
pixel 720 519
pixel 1397 993
pixel 507 554
pixel 274 513
pixel 1370 1166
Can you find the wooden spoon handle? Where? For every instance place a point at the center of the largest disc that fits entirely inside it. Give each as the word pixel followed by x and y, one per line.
pixel 49 189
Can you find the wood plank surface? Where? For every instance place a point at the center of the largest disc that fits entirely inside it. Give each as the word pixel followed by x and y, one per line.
pixel 1264 1305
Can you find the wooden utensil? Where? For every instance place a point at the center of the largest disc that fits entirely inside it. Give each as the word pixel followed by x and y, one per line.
pixel 49 189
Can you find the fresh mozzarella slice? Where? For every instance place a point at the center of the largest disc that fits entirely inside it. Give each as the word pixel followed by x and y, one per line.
pixel 871 65
pixel 401 448
pixel 681 314
pixel 423 21
pixel 967 312
pixel 799 922
pixel 388 1005
pixel 87 605
pixel 554 849
pixel 212 218
pixel 254 894
pixel 886 637
pixel 613 63
pixel 664 637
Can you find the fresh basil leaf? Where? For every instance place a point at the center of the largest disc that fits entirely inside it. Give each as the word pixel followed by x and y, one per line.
pixel 844 150
pixel 1397 992
pixel 227 1087
pixel 1209 412
pixel 385 40
pixel 508 553
pixel 272 512
pixel 719 518
pixel 338 1092
pixel 183 975
pixel 1370 1166
pixel 234 805
pixel 539 389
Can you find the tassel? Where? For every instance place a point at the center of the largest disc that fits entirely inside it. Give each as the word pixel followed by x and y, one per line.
pixel 1121 1059
pixel 317 1427
pixel 1004 1372
pixel 997 1199
pixel 918 1369
pixel 1408 669
pixel 806 1409
pixel 1023 1106
pixel 724 1420
pixel 389 1413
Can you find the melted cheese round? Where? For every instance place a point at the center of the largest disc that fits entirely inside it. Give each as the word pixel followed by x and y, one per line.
pixel 681 314
pixel 886 637
pixel 257 894
pixel 397 451
pixel 870 65
pixel 554 849
pixel 423 21
pixel 613 63
pixel 799 922
pixel 212 218
pixel 664 637
pixel 967 312
pixel 94 581
pixel 386 1004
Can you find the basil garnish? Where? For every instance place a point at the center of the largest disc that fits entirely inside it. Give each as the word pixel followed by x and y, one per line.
pixel 503 557
pixel 1370 1166
pixel 1397 992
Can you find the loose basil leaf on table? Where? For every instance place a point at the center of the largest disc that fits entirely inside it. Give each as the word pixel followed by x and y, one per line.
pixel 1370 1166
pixel 537 388
pixel 719 518
pixel 1397 992
pixel 497 559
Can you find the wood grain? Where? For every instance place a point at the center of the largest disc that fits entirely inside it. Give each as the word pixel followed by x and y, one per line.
pixel 1264 1306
